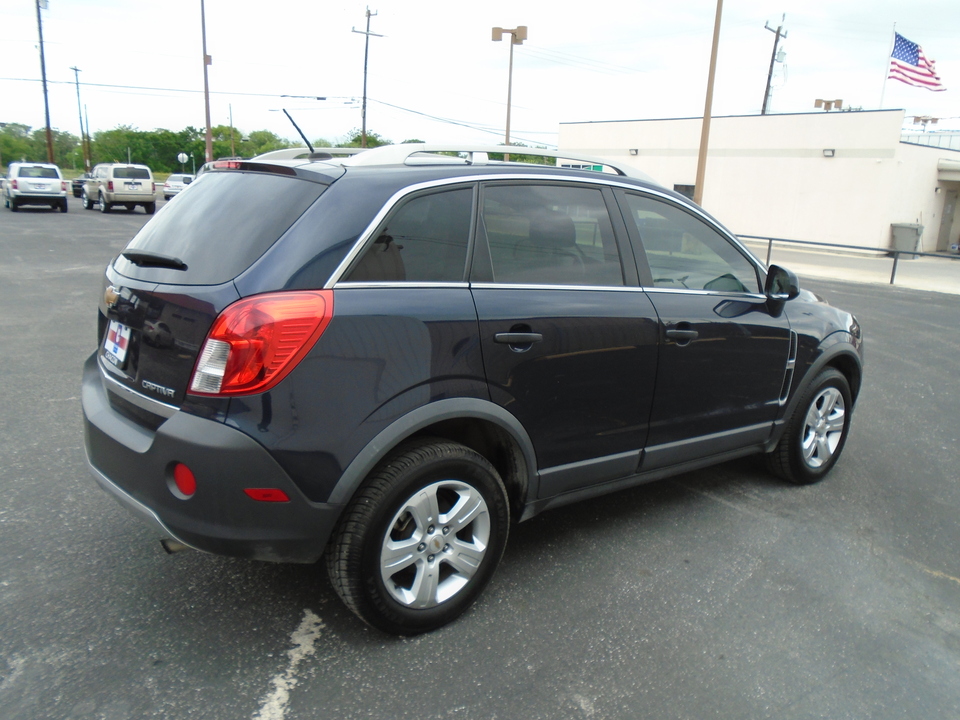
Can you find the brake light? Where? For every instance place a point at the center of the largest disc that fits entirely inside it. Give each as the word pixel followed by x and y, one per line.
pixel 154 186
pixel 14 183
pixel 109 185
pixel 63 186
pixel 256 342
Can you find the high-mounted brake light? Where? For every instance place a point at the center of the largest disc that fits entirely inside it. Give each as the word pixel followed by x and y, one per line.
pixel 254 343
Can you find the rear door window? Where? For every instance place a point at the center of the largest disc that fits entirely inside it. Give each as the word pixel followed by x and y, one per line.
pixel 220 227
pixel 550 235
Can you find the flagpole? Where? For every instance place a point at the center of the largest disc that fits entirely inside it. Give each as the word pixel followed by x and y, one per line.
pixel 886 69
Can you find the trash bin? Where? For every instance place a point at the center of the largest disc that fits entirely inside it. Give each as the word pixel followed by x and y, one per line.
pixel 906 237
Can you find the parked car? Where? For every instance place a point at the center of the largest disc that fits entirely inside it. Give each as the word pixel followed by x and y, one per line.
pixel 119 184
pixel 176 183
pixel 76 185
pixel 384 361
pixel 34 184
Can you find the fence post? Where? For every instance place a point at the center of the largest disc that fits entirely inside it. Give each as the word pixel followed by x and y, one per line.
pixel 769 250
pixel 896 259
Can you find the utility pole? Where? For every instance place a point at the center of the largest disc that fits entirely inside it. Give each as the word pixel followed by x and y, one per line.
pixel 780 33
pixel 84 147
pixel 366 56
pixel 43 76
pixel 233 151
pixel 207 60
pixel 708 106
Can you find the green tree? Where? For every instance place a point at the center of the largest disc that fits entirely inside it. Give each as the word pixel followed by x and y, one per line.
pixel 354 138
pixel 15 144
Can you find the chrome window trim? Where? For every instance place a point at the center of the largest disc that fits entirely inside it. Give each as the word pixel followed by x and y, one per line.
pixel 389 205
pixel 716 293
pixel 534 286
pixel 347 284
pixel 132 396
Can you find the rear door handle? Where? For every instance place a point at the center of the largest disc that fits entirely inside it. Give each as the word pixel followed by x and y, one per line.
pixel 682 335
pixel 517 338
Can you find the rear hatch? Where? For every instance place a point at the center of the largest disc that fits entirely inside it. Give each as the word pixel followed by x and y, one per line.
pixel 163 292
pixel 132 180
pixel 35 180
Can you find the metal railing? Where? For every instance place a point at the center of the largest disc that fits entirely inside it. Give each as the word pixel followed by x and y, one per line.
pixel 841 249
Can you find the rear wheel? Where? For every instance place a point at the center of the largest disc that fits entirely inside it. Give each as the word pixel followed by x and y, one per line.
pixel 63 205
pixel 817 432
pixel 105 207
pixel 150 208
pixel 13 205
pixel 421 538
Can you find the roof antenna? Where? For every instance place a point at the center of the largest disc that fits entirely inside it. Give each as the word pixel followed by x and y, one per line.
pixel 299 130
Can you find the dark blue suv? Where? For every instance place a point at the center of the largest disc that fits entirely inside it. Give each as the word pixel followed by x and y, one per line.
pixel 384 361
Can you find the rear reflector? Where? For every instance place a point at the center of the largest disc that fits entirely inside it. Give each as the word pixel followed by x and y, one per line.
pixel 184 480
pixel 267 494
pixel 257 341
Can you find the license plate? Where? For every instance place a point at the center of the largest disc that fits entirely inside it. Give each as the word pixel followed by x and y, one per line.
pixel 117 343
pixel 133 186
pixel 40 186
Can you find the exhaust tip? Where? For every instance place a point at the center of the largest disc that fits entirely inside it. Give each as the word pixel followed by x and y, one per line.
pixel 172 546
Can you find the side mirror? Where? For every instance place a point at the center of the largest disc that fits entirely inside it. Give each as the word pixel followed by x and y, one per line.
pixel 781 285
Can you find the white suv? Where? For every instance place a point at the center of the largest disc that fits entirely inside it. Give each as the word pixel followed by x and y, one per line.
pixel 34 184
pixel 120 184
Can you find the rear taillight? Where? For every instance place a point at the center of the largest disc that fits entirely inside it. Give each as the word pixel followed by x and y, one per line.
pixel 109 185
pixel 254 343
pixel 63 186
pixel 14 183
pixel 154 186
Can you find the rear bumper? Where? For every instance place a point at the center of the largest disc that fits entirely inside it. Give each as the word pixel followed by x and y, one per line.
pixel 129 197
pixel 134 464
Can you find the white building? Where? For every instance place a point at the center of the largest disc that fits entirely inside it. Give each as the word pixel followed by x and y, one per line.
pixel 836 177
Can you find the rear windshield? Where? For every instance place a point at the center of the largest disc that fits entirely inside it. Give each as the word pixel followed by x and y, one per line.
pixel 134 173
pixel 220 227
pixel 38 172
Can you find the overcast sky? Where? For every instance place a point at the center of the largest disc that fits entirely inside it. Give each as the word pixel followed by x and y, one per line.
pixel 437 76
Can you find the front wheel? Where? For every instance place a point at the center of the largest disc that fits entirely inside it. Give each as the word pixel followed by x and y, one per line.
pixel 85 200
pixel 817 431
pixel 421 538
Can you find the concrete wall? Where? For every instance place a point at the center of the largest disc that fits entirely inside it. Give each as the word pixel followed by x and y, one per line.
pixel 767 175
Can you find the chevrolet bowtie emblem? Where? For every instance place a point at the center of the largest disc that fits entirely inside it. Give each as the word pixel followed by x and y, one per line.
pixel 110 296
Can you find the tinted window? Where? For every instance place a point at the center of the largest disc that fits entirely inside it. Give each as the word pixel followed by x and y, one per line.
pixel 220 227
pixel 133 173
pixel 424 240
pixel 550 234
pixel 685 252
pixel 38 172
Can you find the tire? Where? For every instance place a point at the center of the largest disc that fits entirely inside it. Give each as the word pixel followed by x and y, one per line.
pixel 403 558
pixel 150 208
pixel 817 432
pixel 167 197
pixel 85 200
pixel 63 205
pixel 14 207
pixel 105 207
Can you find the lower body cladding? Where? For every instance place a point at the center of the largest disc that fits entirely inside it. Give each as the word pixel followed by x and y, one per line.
pixel 136 465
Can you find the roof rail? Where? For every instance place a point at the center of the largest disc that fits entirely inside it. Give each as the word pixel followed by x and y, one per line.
pixel 303 153
pixel 420 153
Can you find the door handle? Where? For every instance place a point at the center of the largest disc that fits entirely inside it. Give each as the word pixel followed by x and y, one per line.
pixel 682 335
pixel 517 338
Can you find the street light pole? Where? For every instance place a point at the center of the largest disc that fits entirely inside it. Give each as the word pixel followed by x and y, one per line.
pixel 207 60
pixel 773 58
pixel 517 36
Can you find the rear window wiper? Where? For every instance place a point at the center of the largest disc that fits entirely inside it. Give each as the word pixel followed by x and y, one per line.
pixel 145 258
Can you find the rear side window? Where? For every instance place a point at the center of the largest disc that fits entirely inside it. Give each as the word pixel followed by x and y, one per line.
pixel 550 235
pixel 424 240
pixel 220 227
pixel 131 173
pixel 38 172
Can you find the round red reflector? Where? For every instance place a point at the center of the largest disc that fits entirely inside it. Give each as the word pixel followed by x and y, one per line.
pixel 185 481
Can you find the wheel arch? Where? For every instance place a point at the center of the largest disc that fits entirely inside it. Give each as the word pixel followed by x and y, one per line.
pixel 478 424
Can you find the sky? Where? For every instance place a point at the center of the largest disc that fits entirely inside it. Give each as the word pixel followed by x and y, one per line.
pixel 434 73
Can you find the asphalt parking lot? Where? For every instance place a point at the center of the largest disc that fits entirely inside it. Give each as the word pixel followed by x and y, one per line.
pixel 720 593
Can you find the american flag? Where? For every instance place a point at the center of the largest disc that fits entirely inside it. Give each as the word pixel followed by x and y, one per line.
pixel 909 65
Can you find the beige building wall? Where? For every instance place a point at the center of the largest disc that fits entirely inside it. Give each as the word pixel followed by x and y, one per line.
pixel 770 176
